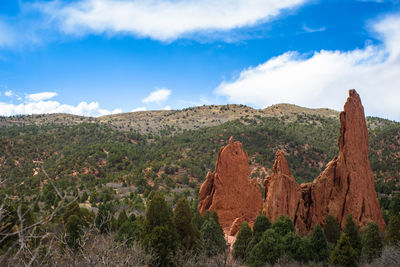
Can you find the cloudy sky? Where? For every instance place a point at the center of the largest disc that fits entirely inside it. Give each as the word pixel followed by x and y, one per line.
pixel 97 57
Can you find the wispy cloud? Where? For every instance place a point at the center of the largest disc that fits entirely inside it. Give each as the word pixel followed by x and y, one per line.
pixel 161 20
pixel 40 96
pixel 157 96
pixel 321 80
pixel 311 30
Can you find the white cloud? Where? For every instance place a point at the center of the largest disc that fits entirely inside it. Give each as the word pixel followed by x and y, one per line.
pixel 162 20
pixel 40 96
pixel 42 107
pixel 139 109
pixel 9 93
pixel 311 30
pixel 322 79
pixel 157 96
pixel 167 108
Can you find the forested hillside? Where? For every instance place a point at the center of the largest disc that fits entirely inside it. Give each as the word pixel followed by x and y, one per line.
pixel 109 169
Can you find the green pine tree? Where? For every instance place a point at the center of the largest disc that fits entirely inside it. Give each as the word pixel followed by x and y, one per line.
pixel 283 225
pixel 351 229
pixel 129 232
pixel 103 218
pixel 73 231
pixel 84 196
pixel 122 218
pixel 392 236
pixel 240 248
pixel 295 247
pixel 213 237
pixel 189 235
pixel 318 245
pixel 159 233
pixel 343 254
pixel 371 243
pixel 72 209
pixel 331 229
pixel 394 207
pixel 268 250
pixel 261 224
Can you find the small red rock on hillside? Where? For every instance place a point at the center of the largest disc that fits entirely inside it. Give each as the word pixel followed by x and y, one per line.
pixel 229 191
pixel 345 187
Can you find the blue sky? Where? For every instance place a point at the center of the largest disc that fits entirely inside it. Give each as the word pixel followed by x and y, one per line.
pixel 96 57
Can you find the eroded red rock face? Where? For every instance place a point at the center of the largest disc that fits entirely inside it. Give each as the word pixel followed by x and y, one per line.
pixel 345 187
pixel 229 191
pixel 282 194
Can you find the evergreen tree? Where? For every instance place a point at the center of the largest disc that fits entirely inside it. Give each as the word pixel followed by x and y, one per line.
pixel 213 237
pixel 393 231
pixel 73 231
pixel 122 218
pixel 371 243
pixel 268 250
pixel 295 247
pixel 343 254
pixel 394 207
pixel 36 207
pixel 351 230
pixel 129 232
pixel 103 219
pixel 261 224
pixel 159 233
pixel 84 196
pixel 72 209
pixel 318 245
pixel 240 248
pixel 331 229
pixel 210 215
pixel 197 218
pixel 189 235
pixel 283 225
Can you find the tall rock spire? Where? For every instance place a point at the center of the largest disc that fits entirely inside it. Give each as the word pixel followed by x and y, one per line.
pixel 352 181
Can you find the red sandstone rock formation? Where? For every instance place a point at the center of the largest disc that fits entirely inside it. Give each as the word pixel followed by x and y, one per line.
pixel 347 184
pixel 282 194
pixel 345 187
pixel 229 191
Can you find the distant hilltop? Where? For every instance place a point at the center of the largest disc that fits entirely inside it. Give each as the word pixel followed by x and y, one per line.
pixel 154 122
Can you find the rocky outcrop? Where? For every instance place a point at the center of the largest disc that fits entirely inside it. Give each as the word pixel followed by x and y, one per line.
pixel 229 191
pixel 282 194
pixel 345 187
pixel 347 184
